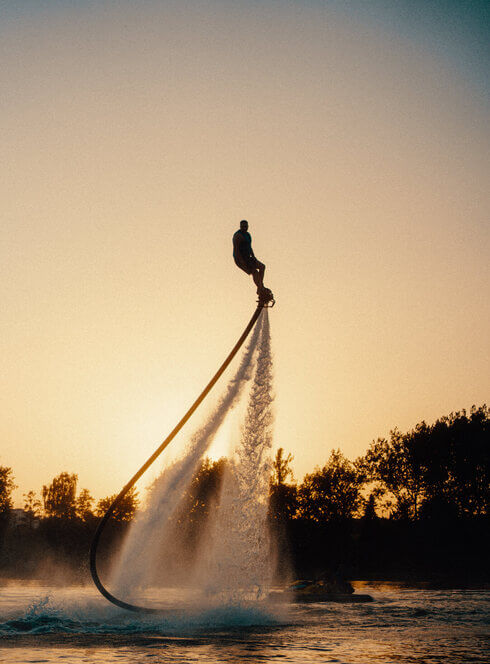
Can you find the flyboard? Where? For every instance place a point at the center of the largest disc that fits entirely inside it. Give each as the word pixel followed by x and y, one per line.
pixel 266 299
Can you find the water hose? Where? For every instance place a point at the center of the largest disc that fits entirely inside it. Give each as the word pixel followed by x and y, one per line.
pixel 102 523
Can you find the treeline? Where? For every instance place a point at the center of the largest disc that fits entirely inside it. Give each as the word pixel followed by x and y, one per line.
pixel 433 471
pixel 415 505
pixel 51 536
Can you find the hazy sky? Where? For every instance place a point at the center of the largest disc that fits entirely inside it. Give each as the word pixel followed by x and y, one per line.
pixel 135 136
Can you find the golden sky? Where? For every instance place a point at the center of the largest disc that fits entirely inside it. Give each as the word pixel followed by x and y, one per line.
pixel 135 136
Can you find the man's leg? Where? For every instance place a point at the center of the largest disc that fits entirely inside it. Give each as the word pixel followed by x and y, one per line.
pixel 258 276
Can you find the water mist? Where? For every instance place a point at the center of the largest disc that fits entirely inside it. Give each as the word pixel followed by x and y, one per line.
pixel 147 546
pixel 235 561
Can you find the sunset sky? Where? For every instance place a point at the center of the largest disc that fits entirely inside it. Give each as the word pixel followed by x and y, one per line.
pixel 353 136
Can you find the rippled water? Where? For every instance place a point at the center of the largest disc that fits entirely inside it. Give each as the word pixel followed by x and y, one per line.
pixel 43 624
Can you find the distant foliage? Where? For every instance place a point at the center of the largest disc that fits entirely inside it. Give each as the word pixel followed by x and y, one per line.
pixel 199 499
pixel 419 499
pixel 124 511
pixel 281 468
pixel 283 497
pixel 59 497
pixel 332 493
pixel 83 505
pixel 7 485
pixel 438 470
pixel 32 507
pixel 456 467
pixel 370 508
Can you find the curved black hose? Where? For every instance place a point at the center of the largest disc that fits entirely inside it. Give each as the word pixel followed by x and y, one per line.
pixel 100 527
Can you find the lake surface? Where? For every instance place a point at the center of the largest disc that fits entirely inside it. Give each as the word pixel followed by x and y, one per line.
pixel 402 625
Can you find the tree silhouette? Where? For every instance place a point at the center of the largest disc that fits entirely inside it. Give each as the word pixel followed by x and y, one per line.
pixel 434 479
pixel 457 470
pixel 32 507
pixel 199 498
pixel 7 485
pixel 83 505
pixel 281 468
pixel 438 470
pixel 283 499
pixel 332 493
pixel 370 508
pixel 124 511
pixel 59 497
pixel 395 466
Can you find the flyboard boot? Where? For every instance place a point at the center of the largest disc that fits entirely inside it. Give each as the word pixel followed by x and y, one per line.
pixel 266 298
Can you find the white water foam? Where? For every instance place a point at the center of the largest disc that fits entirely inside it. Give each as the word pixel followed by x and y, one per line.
pixel 147 546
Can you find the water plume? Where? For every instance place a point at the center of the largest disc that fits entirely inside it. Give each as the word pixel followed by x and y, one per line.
pixel 236 559
pixel 142 551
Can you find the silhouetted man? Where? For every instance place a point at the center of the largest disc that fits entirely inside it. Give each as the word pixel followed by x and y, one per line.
pixel 245 257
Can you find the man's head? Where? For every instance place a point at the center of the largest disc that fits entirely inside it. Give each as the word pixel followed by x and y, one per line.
pixel 244 225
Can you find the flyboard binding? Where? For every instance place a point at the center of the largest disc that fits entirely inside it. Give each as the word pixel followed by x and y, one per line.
pixel 266 298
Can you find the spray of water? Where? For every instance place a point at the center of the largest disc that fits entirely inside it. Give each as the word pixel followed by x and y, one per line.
pixel 142 552
pixel 235 559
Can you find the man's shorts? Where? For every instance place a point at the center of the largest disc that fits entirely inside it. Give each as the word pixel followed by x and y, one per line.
pixel 248 265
